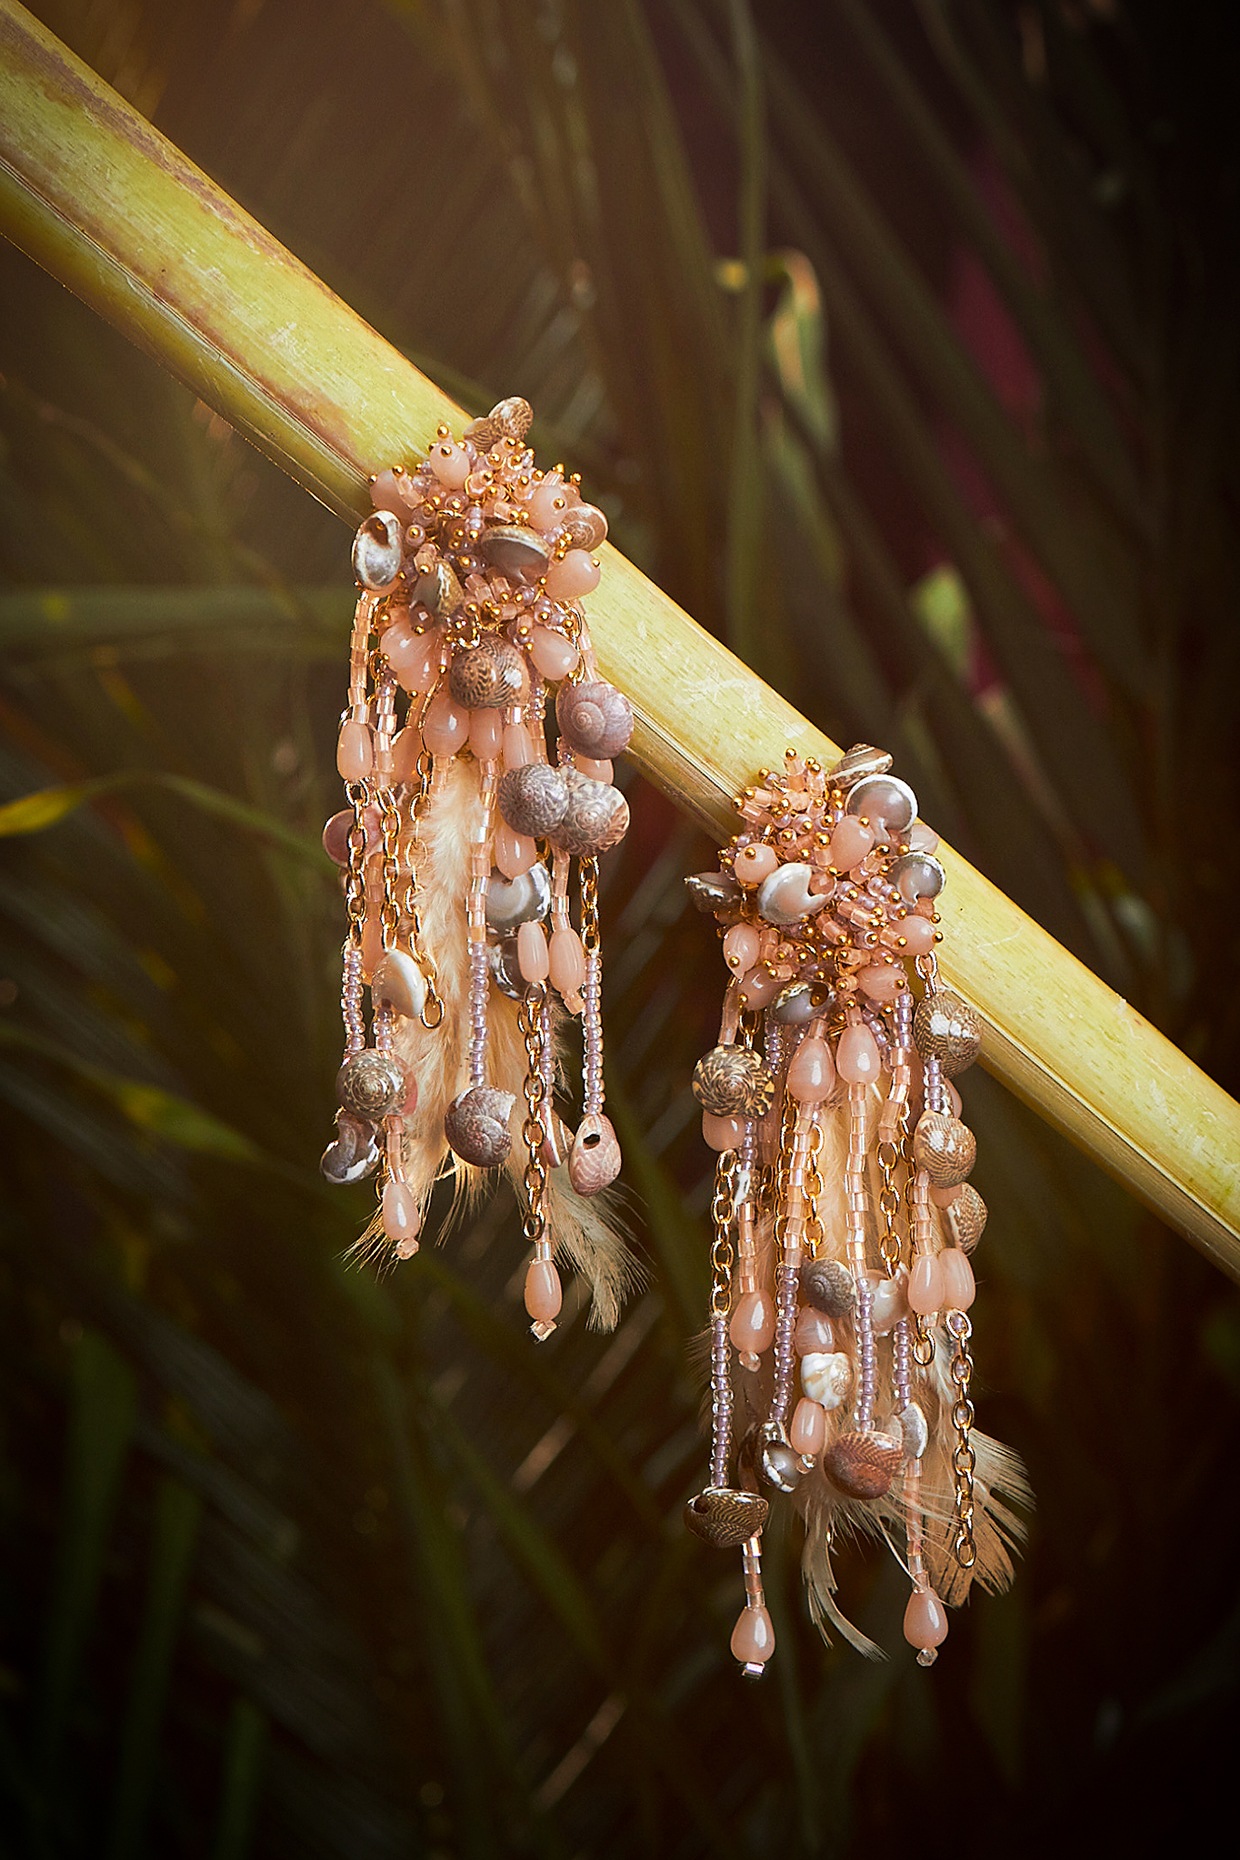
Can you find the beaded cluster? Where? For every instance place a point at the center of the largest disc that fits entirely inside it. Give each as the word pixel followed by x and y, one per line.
pixel 471 573
pixel 843 1217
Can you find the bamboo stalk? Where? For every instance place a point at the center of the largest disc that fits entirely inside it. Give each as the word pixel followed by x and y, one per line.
pixel 101 200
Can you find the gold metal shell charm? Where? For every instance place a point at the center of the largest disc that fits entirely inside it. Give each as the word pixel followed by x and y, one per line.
pixel 946 1028
pixel 732 1081
pixel 726 1517
pixel 944 1147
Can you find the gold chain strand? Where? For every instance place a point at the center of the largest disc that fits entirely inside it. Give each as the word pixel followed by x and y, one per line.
pixel 814 1188
pixel 355 880
pixel 534 1225
pixel 963 1458
pixel 723 1250
pixel 889 1204
pixel 590 938
pixel 390 917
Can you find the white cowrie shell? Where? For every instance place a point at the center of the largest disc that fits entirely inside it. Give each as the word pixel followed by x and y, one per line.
pixel 784 896
pixel 399 983
pixel 520 900
pixel 826 1377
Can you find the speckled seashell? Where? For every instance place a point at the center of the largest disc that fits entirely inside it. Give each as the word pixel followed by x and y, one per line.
pixel 733 1081
pixel 489 675
pixel 917 875
pixel 513 416
pixel 533 799
pixel 861 760
pixel 944 1147
pixel 515 550
pixel 725 1517
pixel 784 896
pixel 863 1464
pixel 483 431
pixel 712 892
pixel 352 1153
pixel 377 552
pixel 946 1028
pixel 400 983
pixel 799 1002
pixel 597 816
pixel 965 1218
pixel 826 1377
pixel 477 1125
pixel 439 590
pixel 512 902
pixel 594 718
pixel 505 969
pixel 594 1159
pixel 585 526
pixel 371 1085
pixel 828 1286
pixel 914 1431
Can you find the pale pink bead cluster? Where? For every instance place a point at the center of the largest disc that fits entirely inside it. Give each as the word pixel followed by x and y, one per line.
pixel 826 904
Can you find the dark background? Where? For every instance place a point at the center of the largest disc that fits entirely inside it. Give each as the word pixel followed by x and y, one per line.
pixel 300 1563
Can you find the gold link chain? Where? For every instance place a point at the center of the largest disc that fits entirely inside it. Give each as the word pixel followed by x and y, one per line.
pixel 964 1460
pixel 723 1251
pixel 535 1178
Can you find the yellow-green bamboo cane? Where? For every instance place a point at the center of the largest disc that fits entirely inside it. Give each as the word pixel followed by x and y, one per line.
pixel 108 206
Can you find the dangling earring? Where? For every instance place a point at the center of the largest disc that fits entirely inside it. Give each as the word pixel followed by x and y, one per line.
pixel 840 1363
pixel 462 839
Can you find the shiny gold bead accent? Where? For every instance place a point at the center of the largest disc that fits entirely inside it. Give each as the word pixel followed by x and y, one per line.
pixel 863 1464
pixel 965 1218
pixel 946 1028
pixel 725 1517
pixel 732 1081
pixel 944 1147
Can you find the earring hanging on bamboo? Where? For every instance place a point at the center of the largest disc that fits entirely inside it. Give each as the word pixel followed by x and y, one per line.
pixel 462 836
pixel 840 1364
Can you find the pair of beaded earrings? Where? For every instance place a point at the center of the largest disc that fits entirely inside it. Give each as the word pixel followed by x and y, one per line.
pixel 843 1218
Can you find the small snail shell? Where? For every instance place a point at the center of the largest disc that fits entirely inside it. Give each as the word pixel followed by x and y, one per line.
pixel 916 875
pixel 826 1377
pixel 594 1159
pixel 914 1431
pixel 596 818
pixel 533 799
pixel 352 1153
pixel 863 1464
pixel 377 552
pixel 778 1464
pixel 732 1081
pixel 828 1286
pixel 520 900
pixel 946 1028
pixel 439 590
pixel 784 896
pixel 594 718
pixel 944 1147
pixel 885 799
pixel 557 1140
pixel 505 973
pixel 515 550
pixel 712 891
pixel 371 1085
pixel 476 1125
pixel 585 526
pixel 861 760
pixel 488 676
pixel 512 416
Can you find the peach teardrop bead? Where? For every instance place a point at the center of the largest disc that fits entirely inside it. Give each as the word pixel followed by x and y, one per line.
pixel 414 657
pixel 722 1133
pixel 450 463
pixel 532 957
pixel 554 655
pixel 572 576
pixel 925 1285
pixel 857 1058
pixel 445 725
pixel 486 734
pixel 850 842
pixel 401 1219
pixel 543 1293
pixel 514 852
pixel 959 1285
pixel 740 948
pixel 354 751
pixel 568 960
pixel 880 981
pixel 406 748
pixel 754 863
pixel 925 1620
pixel 760 988
pixel 808 1432
pixel 518 746
pixel 811 1076
pixel 753 1322
pixel 753 1637
pixel 918 933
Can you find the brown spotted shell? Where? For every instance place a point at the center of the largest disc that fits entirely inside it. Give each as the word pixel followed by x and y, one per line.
pixel 594 718
pixel 371 1085
pixel 946 1028
pixel 477 1125
pixel 965 1218
pixel 533 799
pixel 828 1286
pixel 863 1464
pixel 585 526
pixel 594 1159
pixel 597 816
pixel 732 1081
pixel 944 1147
pixel 725 1517
pixel 439 590
pixel 487 676
pixel 515 550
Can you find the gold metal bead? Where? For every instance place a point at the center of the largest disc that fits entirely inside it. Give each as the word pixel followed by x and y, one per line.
pixel 726 1517
pixel 732 1081
pixel 944 1147
pixel 946 1028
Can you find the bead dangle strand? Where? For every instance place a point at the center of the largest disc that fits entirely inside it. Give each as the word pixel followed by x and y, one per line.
pixel 461 837
pixel 842 1206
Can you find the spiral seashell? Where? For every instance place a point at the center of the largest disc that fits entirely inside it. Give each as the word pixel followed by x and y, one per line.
pixel 439 590
pixel 828 1286
pixel 726 1517
pixel 779 1464
pixel 515 550
pixel 944 1147
pixel 489 675
pixel 399 983
pixel 594 1159
pixel 371 1085
pixel 916 875
pixel 712 891
pixel 533 799
pixel 784 896
pixel 525 899
pixel 965 1218
pixel 860 761
pixel 732 1081
pixel 477 1125
pixel 826 1377
pixel 863 1464
pixel 597 816
pixel 594 718
pixel 352 1153
pixel 585 526
pixel 377 552
pixel 946 1028
pixel 885 799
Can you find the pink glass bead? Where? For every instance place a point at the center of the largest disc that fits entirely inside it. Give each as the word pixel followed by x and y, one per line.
pixel 392 491
pixel 406 748
pixel 814 1334
pixel 547 502
pixel 553 655
pixel 880 981
pixel 568 960
pixel 597 771
pixel 450 463
pixel 811 1076
pixel 857 1058
pixel 518 746
pixel 414 657
pixel 532 956
pixel 354 751
pixel 959 1285
pixel 918 933
pixel 740 948
pixel 760 988
pixel 722 1133
pixel 808 1431
pixel 753 1637
pixel 925 1285
pixel 850 842
pixel 572 576
pixel 401 1220
pixel 486 734
pixel 446 725
pixel 753 1322
pixel 543 1293
pixel 925 1620
pixel 922 838
pixel 514 852
pixel 754 863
